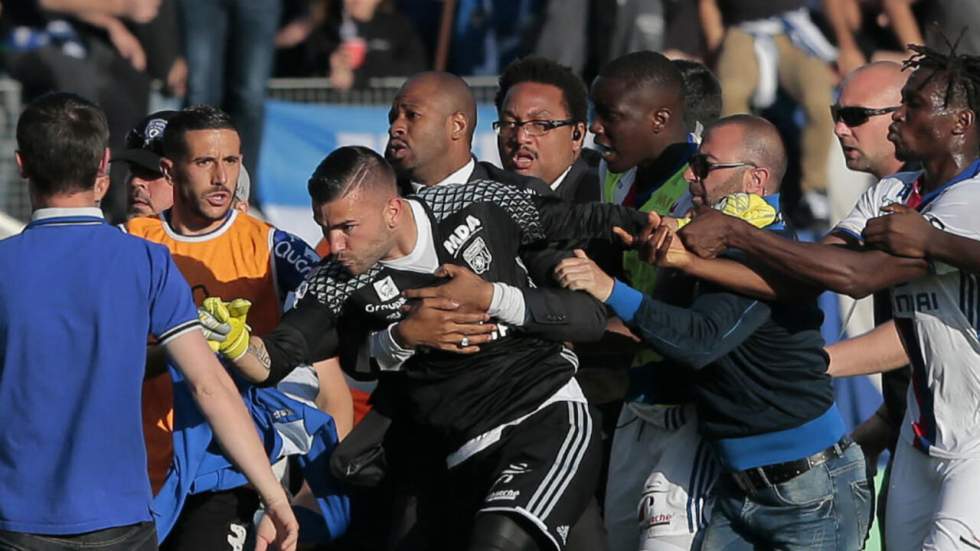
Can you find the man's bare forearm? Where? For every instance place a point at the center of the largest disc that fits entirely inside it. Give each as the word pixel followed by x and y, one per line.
pixel 218 399
pixel 877 351
pixel 853 273
pixel 255 365
pixel 749 281
pixel 957 251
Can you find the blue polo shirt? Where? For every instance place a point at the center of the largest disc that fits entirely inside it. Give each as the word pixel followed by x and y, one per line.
pixel 78 299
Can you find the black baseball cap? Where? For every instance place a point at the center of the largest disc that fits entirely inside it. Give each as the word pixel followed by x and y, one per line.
pixel 144 143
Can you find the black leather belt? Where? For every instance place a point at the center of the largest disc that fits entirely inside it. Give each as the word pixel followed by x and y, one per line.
pixel 758 478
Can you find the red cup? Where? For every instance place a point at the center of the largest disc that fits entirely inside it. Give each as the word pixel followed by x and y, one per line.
pixel 356 49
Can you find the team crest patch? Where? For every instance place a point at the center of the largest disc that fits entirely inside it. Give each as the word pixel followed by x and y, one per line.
pixel 477 255
pixel 386 289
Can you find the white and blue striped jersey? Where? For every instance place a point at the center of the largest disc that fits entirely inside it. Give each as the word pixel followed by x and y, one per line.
pixel 938 316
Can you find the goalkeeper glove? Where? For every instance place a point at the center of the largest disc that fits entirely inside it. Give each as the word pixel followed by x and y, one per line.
pixel 225 327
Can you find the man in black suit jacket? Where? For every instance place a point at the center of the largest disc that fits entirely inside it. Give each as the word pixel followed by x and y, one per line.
pixel 542 109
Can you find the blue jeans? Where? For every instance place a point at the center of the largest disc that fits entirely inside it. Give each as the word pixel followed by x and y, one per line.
pixel 135 537
pixel 827 507
pixel 230 53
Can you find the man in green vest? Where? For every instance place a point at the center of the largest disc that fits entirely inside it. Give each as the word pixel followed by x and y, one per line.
pixel 659 466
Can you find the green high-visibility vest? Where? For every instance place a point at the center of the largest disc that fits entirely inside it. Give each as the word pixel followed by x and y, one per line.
pixel 643 276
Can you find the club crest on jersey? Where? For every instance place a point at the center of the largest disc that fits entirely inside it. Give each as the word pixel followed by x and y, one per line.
pixel 386 289
pixel 477 255
pixel 462 233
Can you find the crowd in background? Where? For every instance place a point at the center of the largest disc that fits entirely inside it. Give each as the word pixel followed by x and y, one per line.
pixel 223 53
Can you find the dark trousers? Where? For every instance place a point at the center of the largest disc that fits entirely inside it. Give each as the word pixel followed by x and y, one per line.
pixel 135 537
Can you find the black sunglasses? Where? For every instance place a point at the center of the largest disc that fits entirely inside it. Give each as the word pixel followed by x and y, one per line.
pixel 856 116
pixel 701 166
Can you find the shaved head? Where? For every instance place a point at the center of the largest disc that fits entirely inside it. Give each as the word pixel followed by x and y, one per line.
pixel 431 125
pixel 865 146
pixel 449 92
pixel 761 145
pixel 877 84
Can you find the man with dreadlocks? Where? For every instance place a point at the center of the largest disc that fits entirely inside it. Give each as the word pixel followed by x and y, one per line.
pixel 926 248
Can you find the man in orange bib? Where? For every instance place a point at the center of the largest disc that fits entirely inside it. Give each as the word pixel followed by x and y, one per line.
pixel 224 253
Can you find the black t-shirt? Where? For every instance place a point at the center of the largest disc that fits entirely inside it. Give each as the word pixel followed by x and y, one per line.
pixel 734 12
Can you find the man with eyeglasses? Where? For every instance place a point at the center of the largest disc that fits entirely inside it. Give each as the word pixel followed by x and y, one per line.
pixel 923 248
pixel 430 136
pixel 542 109
pixel 763 397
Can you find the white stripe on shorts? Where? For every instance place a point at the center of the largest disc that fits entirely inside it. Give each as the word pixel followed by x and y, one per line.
pixel 566 463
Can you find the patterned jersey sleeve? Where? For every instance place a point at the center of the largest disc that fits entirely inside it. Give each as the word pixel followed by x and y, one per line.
pixel 172 310
pixel 309 332
pixel 538 217
pixel 293 259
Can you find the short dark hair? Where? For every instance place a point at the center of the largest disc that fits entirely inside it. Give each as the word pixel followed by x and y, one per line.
pixel 189 119
pixel 644 68
pixel 575 96
pixel 702 93
pixel 348 169
pixel 61 139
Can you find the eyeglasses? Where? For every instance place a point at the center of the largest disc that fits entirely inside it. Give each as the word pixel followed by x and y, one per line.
pixel 531 127
pixel 701 166
pixel 856 116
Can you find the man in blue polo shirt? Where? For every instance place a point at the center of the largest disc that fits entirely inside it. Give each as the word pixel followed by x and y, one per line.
pixel 763 397
pixel 78 299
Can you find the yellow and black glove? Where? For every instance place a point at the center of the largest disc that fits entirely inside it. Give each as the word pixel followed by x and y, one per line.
pixel 225 327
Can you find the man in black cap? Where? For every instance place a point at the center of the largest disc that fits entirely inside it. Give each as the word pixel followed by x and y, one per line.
pixel 148 192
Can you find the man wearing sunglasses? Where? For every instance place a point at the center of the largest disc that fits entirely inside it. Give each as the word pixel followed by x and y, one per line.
pixel 924 246
pixel 762 395
pixel 868 95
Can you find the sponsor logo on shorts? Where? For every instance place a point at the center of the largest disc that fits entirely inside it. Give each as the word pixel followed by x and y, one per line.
pixel 514 470
pixel 563 532
pixel 650 518
pixel 503 495
pixel 236 539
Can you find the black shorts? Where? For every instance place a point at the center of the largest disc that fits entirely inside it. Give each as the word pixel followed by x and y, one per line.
pixel 542 472
pixel 215 520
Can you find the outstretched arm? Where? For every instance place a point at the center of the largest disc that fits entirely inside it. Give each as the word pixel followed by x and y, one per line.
pixel 854 273
pixel 904 232
pixel 714 325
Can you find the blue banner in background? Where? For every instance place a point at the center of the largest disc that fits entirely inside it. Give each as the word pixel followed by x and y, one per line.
pixel 297 136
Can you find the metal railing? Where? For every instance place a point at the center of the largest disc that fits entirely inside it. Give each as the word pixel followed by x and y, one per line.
pixel 381 91
pixel 14 199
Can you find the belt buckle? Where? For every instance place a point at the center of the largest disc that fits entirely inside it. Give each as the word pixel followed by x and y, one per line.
pixel 749 483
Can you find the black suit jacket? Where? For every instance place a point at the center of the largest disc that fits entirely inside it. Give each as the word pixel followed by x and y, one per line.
pixel 581 184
